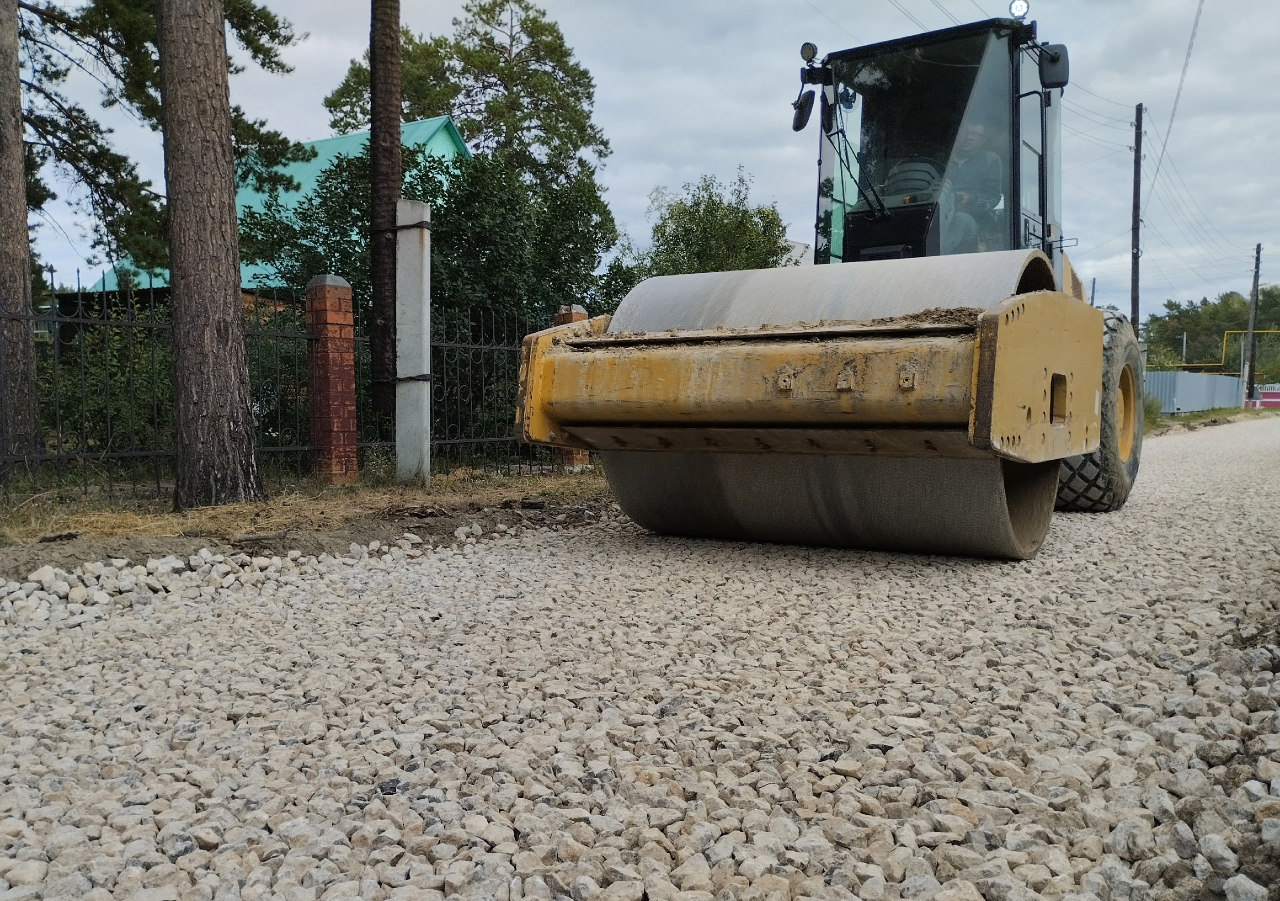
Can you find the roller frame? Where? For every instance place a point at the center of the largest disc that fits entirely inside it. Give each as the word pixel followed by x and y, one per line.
pixel 910 388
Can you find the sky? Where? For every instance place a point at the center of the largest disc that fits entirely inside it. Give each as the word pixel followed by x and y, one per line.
pixel 692 87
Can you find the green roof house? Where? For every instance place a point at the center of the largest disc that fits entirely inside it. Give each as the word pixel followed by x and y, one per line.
pixel 439 136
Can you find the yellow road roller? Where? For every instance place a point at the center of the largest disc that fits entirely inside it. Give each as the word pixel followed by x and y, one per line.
pixel 934 382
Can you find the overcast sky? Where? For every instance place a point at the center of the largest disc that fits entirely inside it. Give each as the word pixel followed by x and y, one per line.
pixel 686 87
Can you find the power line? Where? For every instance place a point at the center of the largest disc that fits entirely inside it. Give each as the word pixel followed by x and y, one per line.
pixel 1177 194
pixel 1083 108
pixel 1081 87
pixel 1173 165
pixel 1186 61
pixel 1094 125
pixel 902 9
pixel 1101 142
pixel 1108 121
pixel 1094 160
pixel 831 20
pixel 946 12
pixel 980 9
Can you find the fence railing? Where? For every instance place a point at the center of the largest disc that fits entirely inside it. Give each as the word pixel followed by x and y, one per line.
pixel 102 366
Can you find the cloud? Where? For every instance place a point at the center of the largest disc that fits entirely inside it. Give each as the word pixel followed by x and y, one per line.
pixel 687 87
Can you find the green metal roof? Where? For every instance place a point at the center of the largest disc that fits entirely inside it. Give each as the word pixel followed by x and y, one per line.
pixel 439 136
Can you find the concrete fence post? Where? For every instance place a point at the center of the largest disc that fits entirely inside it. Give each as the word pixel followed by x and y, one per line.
pixel 413 341
pixel 331 379
pixel 570 457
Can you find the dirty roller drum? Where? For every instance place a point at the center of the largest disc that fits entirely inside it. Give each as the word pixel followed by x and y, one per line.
pixel 980 507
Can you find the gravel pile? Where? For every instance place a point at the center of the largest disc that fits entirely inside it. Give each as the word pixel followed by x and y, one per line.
pixel 596 713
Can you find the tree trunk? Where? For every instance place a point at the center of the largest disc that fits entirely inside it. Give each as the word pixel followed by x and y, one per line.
pixel 18 419
pixel 215 428
pixel 384 164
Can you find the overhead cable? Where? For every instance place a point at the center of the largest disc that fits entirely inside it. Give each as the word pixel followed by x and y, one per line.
pixel 946 12
pixel 902 9
pixel 831 20
pixel 1186 60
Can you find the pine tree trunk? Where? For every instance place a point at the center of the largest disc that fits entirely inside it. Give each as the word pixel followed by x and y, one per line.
pixel 18 418
pixel 215 429
pixel 384 164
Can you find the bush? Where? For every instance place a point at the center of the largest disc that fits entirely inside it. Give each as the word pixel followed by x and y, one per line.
pixel 1151 406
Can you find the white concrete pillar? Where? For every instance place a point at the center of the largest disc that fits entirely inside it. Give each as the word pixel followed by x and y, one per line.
pixel 413 341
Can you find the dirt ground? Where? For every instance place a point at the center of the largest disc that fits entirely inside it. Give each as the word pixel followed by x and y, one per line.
pixel 314 521
pixel 317 519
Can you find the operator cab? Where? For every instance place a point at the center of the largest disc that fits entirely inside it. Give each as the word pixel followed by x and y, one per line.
pixel 942 143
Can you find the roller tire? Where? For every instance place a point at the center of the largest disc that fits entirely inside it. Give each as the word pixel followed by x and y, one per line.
pixel 1100 482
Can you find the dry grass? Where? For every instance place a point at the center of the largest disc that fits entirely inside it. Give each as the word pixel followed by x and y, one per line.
pixel 307 507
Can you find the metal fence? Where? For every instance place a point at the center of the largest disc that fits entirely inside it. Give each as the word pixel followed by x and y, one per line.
pixel 1188 392
pixel 103 372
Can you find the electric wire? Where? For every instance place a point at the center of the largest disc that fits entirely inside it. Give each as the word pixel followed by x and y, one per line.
pixel 902 9
pixel 980 9
pixel 946 12
pixel 1083 109
pixel 1094 160
pixel 1081 87
pixel 1187 190
pixel 1101 142
pixel 1184 199
pixel 1203 238
pixel 1186 61
pixel 831 20
pixel 1090 116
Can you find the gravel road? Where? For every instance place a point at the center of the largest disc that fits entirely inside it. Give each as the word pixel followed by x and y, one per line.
pixel 598 713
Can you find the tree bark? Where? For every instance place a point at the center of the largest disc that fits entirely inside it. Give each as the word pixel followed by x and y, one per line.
pixel 215 428
pixel 384 164
pixel 18 417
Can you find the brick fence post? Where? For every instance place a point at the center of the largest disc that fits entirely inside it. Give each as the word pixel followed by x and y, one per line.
pixel 331 378
pixel 566 456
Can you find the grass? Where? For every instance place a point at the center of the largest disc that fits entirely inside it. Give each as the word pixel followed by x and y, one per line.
pixel 308 507
pixel 1157 420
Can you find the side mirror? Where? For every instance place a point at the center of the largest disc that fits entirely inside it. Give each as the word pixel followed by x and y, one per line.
pixel 1055 67
pixel 803 108
pixel 828 114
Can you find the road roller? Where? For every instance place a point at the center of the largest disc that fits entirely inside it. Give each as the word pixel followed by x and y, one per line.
pixel 934 382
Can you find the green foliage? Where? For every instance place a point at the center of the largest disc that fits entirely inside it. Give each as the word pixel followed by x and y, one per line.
pixel 1162 359
pixel 1205 324
pixel 114 42
pixel 523 226
pixel 106 388
pixel 507 78
pixel 1151 415
pixel 708 227
pixel 498 242
pixel 428 84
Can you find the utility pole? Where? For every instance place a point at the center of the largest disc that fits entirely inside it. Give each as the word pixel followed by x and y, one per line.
pixel 1184 347
pixel 1093 291
pixel 1137 215
pixel 1247 370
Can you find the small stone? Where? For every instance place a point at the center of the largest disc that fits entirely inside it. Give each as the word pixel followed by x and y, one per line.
pixel 959 890
pixel 1221 858
pixel 584 888
pixel 626 890
pixel 1241 888
pixel 27 872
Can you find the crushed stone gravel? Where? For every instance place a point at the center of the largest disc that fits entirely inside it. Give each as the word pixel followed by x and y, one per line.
pixel 597 713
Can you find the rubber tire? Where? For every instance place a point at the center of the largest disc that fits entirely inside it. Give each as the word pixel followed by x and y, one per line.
pixel 1100 482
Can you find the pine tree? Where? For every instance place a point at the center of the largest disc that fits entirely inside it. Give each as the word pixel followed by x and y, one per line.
pixel 215 431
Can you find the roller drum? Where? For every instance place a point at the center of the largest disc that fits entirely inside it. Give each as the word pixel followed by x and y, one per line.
pixel 978 507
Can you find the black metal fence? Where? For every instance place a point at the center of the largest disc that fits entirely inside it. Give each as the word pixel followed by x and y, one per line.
pixel 102 363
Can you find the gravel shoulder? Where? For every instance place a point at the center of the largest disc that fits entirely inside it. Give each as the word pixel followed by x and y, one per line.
pixel 591 712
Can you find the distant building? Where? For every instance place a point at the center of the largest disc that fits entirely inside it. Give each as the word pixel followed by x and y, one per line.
pixel 439 136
